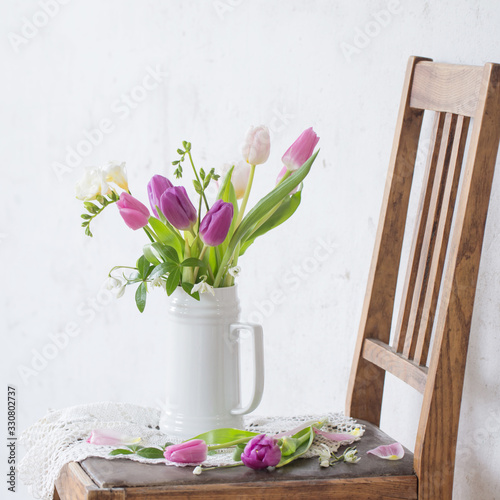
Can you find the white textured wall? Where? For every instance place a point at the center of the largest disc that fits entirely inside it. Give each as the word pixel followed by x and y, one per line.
pixel 221 66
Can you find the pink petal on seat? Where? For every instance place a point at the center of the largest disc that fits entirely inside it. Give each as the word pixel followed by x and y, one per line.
pixel 389 451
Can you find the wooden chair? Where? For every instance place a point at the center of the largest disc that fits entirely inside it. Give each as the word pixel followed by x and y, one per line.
pixel 436 308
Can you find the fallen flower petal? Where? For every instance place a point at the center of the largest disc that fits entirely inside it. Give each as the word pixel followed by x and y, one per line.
pixel 389 452
pixel 335 436
pixel 112 437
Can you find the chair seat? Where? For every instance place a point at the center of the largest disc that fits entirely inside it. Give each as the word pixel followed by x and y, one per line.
pixel 371 478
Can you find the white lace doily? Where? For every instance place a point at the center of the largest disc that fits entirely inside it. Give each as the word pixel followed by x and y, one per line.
pixel 60 437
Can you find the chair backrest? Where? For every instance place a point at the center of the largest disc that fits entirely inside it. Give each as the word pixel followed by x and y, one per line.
pixel 431 329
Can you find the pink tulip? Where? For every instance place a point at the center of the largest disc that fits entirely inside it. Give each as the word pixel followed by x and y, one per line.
pixel 261 452
pixel 190 452
pixel 216 223
pixel 111 437
pixel 282 173
pixel 301 150
pixel 257 145
pixel 134 213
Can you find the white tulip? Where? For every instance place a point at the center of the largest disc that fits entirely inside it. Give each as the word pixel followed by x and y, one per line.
pixel 257 145
pixel 239 177
pixel 91 185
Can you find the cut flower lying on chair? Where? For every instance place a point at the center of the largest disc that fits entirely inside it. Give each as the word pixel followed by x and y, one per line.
pixel 197 245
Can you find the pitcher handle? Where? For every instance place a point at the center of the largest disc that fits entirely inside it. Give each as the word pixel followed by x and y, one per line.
pixel 258 342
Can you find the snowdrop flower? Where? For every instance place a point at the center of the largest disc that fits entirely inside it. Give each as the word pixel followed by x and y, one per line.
pixel 324 456
pixel 197 470
pixel 91 185
pixel 351 456
pixel 116 286
pixel 159 283
pixel 203 287
pixel 234 271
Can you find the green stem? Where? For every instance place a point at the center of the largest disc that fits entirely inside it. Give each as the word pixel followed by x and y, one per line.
pixel 245 196
pixel 228 445
pixel 198 179
pixel 187 272
pixel 196 269
pixel 148 232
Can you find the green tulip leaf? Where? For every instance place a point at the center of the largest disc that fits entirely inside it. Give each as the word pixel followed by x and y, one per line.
pixel 140 296
pixel 222 436
pixel 187 287
pixel 121 451
pixel 151 453
pixel 168 235
pixel 143 266
pixel 307 436
pixel 285 211
pixel 192 262
pixel 173 280
pixel 150 254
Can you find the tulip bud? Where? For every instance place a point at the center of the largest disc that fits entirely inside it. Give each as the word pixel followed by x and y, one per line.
pixel 190 452
pixel 301 150
pixel 261 452
pixel 177 208
pixel 257 145
pixel 216 223
pixel 156 187
pixel 134 213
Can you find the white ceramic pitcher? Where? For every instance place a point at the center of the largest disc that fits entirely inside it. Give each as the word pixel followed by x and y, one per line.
pixel 202 364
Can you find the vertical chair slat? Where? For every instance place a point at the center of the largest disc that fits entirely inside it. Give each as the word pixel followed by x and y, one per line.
pixel 443 232
pixel 421 280
pixel 418 236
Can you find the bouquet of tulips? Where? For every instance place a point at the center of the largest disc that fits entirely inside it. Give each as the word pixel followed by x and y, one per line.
pixel 195 245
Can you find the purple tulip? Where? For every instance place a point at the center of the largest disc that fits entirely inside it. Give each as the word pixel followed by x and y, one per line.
pixel 190 452
pixel 156 187
pixel 301 150
pixel 177 208
pixel 260 452
pixel 216 223
pixel 134 213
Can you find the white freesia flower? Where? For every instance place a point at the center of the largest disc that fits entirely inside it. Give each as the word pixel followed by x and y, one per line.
pixel 203 287
pixel 234 271
pixel 91 185
pixel 115 172
pixel 116 286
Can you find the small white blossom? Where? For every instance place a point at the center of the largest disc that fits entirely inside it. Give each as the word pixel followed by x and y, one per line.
pixel 324 456
pixel 203 287
pixel 197 470
pixel 116 286
pixel 159 283
pixel 351 456
pixel 234 271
